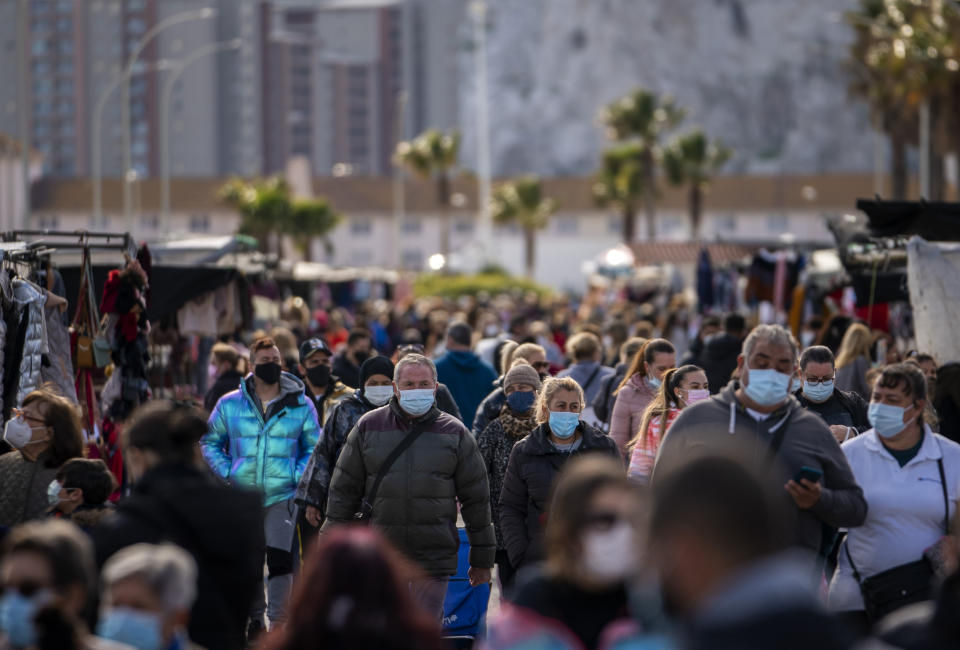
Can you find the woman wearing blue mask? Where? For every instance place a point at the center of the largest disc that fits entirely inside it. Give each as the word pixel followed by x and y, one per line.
pixel 639 388
pixel 516 421
pixel 910 477
pixel 535 462
pixel 148 591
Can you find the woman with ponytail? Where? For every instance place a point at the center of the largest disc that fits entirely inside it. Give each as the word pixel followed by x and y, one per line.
pixel 640 387
pixel 680 388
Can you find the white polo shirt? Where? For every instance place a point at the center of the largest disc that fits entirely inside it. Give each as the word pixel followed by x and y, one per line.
pixel 905 509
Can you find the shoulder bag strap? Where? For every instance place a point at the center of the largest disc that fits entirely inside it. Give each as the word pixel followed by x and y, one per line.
pixel 846 549
pixel 780 433
pixel 590 379
pixel 366 506
pixel 946 498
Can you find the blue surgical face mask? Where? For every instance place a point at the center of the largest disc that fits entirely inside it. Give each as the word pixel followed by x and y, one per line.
pixel 767 387
pixel 16 618
pixel 795 385
pixel 378 395
pixel 818 392
pixel 138 629
pixel 887 420
pixel 416 401
pixel 53 493
pixel 563 424
pixel 521 401
pixel 653 382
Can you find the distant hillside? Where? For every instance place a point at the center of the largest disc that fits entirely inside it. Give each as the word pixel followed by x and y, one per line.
pixel 766 76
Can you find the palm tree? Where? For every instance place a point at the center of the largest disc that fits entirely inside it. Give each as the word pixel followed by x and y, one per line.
pixel 432 154
pixel 266 207
pixel 692 160
pixel 521 202
pixel 643 117
pixel 621 183
pixel 905 55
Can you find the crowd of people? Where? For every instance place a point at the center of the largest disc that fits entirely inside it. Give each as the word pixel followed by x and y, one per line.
pixel 625 484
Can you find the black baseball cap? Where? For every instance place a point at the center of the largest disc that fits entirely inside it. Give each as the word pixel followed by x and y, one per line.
pixel 311 346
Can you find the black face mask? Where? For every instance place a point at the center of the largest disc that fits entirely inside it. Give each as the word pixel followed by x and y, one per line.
pixel 268 372
pixel 361 356
pixel 319 375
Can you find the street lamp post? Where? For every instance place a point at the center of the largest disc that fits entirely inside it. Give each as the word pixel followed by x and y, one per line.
pixel 96 157
pixel 176 19
pixel 478 8
pixel 165 100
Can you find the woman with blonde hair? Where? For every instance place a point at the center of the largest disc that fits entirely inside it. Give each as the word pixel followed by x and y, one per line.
pixel 853 360
pixel 535 462
pixel 681 387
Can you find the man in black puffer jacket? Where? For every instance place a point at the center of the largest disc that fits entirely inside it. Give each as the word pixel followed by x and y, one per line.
pixel 416 504
pixel 720 352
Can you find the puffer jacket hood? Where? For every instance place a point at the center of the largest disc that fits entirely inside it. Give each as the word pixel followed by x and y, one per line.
pixel 721 425
pixel 416 504
pixel 266 451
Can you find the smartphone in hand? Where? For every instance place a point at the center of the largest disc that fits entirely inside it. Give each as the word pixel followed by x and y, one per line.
pixel 812 474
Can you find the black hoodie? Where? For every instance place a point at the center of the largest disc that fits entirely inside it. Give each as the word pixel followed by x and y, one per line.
pixel 221 527
pixel 719 359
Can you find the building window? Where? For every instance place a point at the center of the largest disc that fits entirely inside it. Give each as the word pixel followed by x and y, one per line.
pixel 48 222
pixel 412 260
pixel 725 223
pixel 362 257
pixel 565 225
pixel 103 223
pixel 150 222
pixel 199 223
pixel 411 226
pixel 777 223
pixel 463 226
pixel 615 224
pixel 361 226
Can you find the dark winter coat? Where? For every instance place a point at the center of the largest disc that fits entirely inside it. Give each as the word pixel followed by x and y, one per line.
pixel 719 359
pixel 605 399
pixel 222 527
pixel 722 426
pixel 23 488
pixel 495 445
pixel 313 487
pixel 228 381
pixel 345 369
pixel 531 470
pixel 843 408
pixel 446 403
pixel 416 505
pixel 489 409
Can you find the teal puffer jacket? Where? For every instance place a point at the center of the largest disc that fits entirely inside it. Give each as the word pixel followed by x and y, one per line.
pixel 268 453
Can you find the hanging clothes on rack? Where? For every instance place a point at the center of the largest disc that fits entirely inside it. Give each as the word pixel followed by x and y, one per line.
pixel 59 367
pixel 31 299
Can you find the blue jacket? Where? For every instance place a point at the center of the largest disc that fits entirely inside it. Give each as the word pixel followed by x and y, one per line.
pixel 268 453
pixel 468 377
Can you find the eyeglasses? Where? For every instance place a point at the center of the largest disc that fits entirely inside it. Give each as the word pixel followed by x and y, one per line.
pixel 818 380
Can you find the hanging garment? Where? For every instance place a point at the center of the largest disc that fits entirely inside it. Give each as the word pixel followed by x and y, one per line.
pixel 6 299
pixel 60 369
pixel 199 316
pixel 31 299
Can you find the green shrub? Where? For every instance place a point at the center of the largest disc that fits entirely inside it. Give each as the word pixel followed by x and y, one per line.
pixel 454 286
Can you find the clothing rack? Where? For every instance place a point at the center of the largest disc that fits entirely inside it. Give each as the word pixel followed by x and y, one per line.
pixel 83 240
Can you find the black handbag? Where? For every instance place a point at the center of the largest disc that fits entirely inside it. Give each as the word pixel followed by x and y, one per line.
pixel 365 513
pixel 902 585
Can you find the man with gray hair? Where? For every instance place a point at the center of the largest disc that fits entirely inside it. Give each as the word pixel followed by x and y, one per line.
pixel 148 591
pixel 757 421
pixel 403 469
pixel 468 377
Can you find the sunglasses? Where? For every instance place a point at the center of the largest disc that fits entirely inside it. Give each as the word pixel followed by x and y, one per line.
pixel 604 520
pixel 26 589
pixel 541 365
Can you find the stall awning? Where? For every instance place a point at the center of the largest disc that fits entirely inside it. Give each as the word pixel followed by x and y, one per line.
pixel 932 221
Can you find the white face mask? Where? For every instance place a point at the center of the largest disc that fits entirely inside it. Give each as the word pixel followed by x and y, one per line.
pixel 610 556
pixel 378 395
pixel 18 433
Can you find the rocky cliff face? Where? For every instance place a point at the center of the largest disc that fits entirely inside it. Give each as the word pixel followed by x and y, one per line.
pixel 765 76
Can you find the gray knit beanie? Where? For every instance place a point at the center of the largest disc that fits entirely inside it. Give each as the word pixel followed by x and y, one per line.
pixel 522 373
